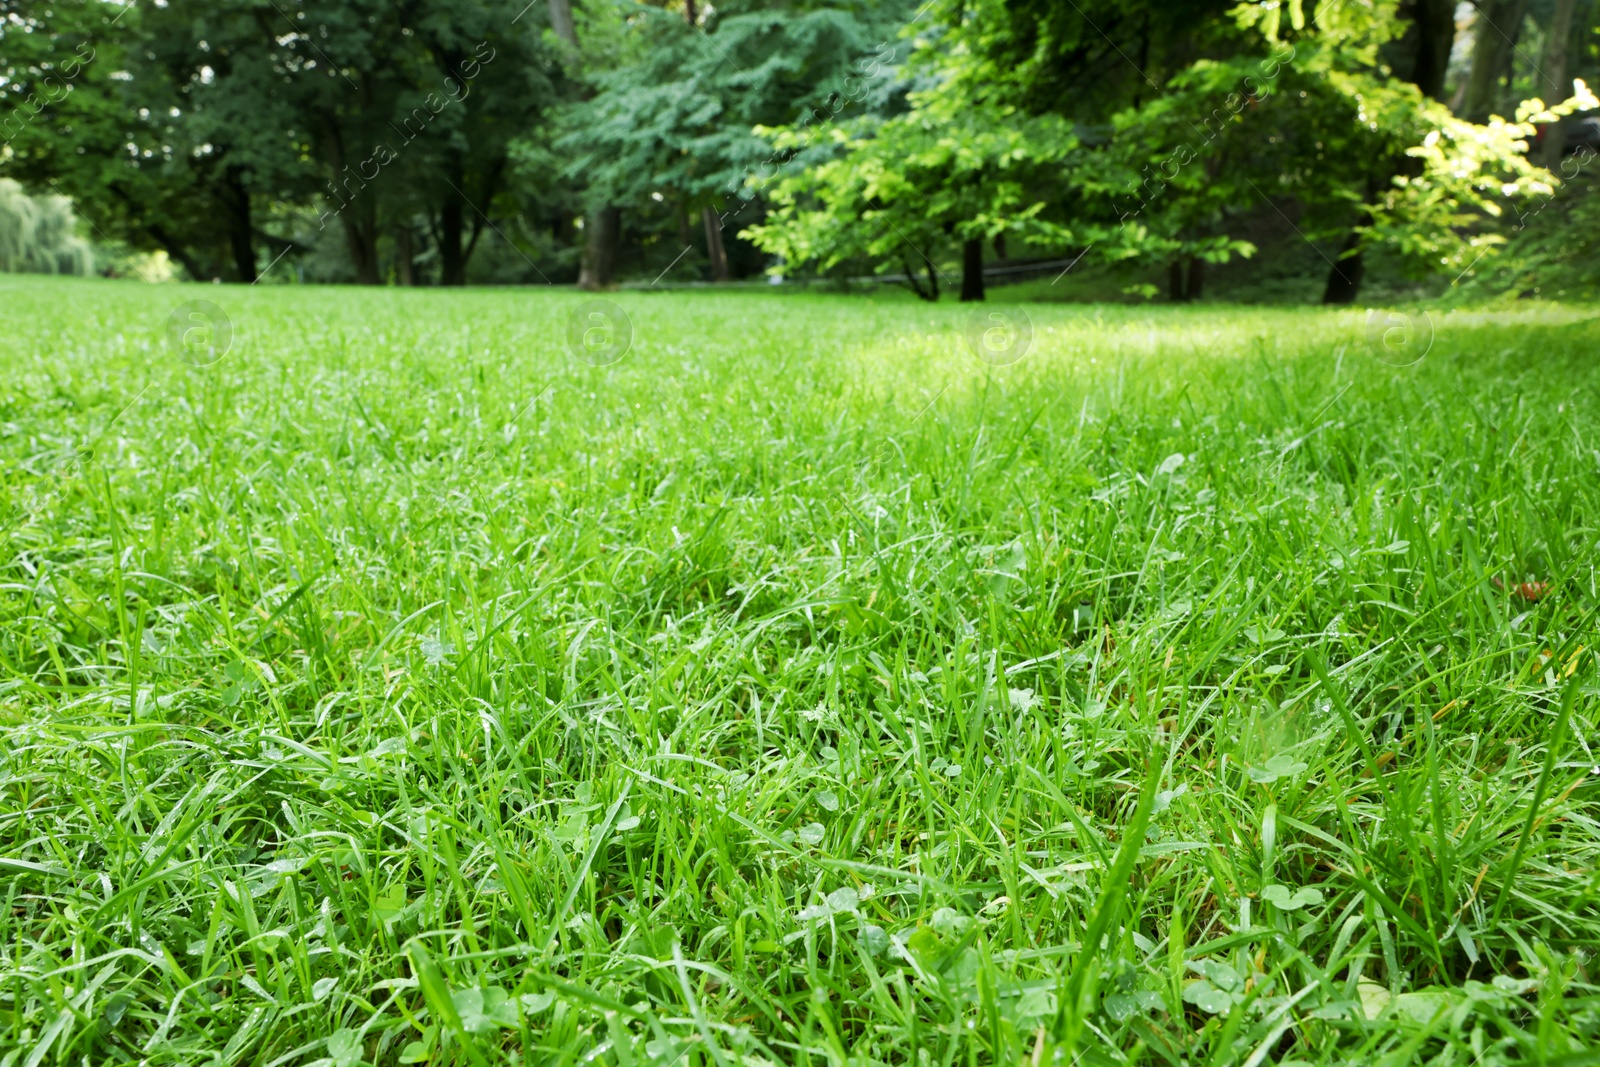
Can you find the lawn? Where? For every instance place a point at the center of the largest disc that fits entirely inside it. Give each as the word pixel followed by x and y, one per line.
pixel 1207 685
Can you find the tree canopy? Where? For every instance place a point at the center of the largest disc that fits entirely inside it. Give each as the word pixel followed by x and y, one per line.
pixel 426 142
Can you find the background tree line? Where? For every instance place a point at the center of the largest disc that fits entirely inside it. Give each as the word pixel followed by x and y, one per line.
pixel 421 142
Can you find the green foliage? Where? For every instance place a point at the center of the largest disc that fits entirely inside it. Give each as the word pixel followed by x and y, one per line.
pixel 1346 138
pixel 1317 121
pixel 393 139
pixel 678 118
pixel 1176 170
pixel 407 113
pixel 184 125
pixel 902 189
pixel 1551 243
pixel 39 234
pixel 1085 60
pixel 665 128
pixel 1470 176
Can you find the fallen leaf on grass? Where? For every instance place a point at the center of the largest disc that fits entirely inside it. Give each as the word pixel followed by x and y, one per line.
pixel 1529 591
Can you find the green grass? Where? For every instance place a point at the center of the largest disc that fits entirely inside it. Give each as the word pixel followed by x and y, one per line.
pixel 798 689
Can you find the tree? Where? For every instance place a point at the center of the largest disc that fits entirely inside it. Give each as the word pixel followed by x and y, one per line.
pixel 899 191
pixel 1496 29
pixel 39 234
pixel 601 223
pixel 668 131
pixel 1554 84
pixel 1177 168
pixel 1421 55
pixel 215 101
pixel 197 113
pixel 408 104
pixel 505 87
pixel 1084 61
pixel 1470 177
pixel 1423 181
pixel 88 114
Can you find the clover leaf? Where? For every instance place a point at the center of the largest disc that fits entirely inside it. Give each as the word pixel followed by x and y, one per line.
pixel 1279 766
pixel 1281 896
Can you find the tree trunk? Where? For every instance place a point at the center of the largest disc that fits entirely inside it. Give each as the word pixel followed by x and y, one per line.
pixel 598 259
pixel 1000 247
pixel 1344 279
pixel 600 225
pixel 455 252
pixel 971 270
pixel 361 235
pixel 912 283
pixel 931 293
pixel 714 250
pixel 1432 34
pixel 1197 276
pixel 452 264
pixel 241 235
pixel 405 255
pixel 561 22
pixel 1494 38
pixel 244 254
pixel 1556 87
pixel 599 248
pixel 1175 281
pixel 358 215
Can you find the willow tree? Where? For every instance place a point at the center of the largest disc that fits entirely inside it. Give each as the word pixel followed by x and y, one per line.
pixel 39 234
